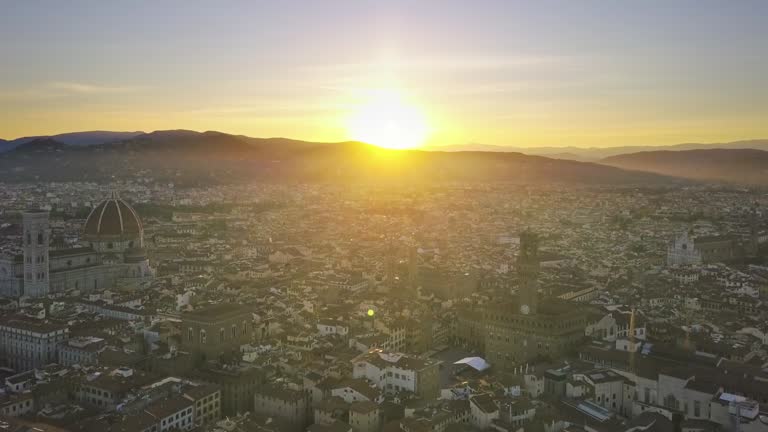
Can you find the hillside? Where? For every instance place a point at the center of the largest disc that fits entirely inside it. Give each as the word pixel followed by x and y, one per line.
pixel 86 138
pixel 745 166
pixel 594 154
pixel 212 157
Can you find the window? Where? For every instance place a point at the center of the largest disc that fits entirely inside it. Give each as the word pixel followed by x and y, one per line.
pixel 696 408
pixel 40 238
pixel 190 334
pixel 234 331
pixel 221 335
pixel 203 337
pixel 29 238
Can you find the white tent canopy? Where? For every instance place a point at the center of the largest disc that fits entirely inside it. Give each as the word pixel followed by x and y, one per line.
pixel 477 363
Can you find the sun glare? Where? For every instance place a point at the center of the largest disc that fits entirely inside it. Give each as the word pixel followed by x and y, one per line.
pixel 387 120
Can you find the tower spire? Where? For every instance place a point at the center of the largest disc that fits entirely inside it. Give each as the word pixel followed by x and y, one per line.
pixel 528 272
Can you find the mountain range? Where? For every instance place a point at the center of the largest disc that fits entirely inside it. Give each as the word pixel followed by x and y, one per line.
pixel 594 154
pixel 203 157
pixel 190 157
pixel 742 166
pixel 74 138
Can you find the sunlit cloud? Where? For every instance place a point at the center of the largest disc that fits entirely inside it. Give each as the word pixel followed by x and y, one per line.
pixel 62 89
pixel 86 88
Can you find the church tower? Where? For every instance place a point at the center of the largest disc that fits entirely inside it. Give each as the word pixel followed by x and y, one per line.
pixel 36 229
pixel 528 272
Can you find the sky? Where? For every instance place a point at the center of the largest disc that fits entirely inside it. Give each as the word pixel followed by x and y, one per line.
pixel 543 73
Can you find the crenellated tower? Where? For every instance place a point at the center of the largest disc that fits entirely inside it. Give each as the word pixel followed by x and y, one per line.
pixel 528 272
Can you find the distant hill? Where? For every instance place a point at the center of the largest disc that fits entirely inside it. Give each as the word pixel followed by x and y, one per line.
pixel 745 166
pixel 190 158
pixel 40 146
pixel 593 154
pixel 74 139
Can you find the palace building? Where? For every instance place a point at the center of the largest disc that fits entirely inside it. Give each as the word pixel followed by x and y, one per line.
pixel 525 327
pixel 110 255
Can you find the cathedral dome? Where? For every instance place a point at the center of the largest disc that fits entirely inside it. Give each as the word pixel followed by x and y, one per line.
pixel 113 219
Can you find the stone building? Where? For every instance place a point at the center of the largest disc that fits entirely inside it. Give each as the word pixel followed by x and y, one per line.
pixel 27 344
pixel 524 327
pixel 214 332
pixel 395 373
pixel 284 403
pixel 238 386
pixel 110 255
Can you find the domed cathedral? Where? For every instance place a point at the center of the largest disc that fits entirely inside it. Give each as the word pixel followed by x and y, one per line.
pixel 110 256
pixel 113 229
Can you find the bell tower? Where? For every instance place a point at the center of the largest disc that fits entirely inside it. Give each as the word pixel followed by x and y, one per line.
pixel 35 241
pixel 528 272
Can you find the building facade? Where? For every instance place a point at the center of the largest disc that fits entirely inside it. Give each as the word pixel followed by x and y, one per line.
pixel 524 327
pixel 110 255
pixel 395 373
pixel 26 345
pixel 216 331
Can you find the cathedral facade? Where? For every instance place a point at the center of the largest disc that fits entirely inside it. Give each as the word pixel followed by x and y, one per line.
pixel 111 255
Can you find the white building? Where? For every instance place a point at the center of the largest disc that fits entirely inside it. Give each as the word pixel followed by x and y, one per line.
pixel 682 251
pixel 395 372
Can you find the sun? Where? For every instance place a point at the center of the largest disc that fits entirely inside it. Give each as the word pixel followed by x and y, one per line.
pixel 387 120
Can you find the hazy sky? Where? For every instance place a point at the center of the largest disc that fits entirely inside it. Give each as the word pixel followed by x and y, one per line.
pixel 496 72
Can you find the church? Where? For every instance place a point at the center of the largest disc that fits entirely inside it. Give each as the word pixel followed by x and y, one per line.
pixel 111 255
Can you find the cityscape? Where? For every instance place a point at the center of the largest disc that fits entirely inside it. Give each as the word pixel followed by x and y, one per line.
pixel 161 273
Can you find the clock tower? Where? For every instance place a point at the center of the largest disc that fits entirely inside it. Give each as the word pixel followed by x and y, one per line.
pixel 528 272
